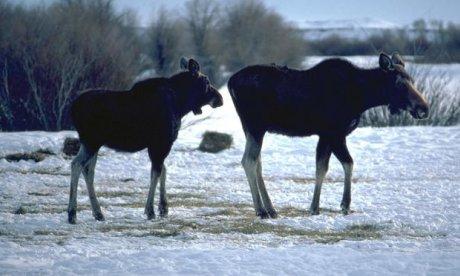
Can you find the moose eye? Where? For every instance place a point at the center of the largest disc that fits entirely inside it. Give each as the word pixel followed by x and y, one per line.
pixel 400 82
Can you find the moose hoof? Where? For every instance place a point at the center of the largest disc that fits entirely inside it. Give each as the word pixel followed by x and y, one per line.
pixel 345 210
pixel 99 216
pixel 72 216
pixel 262 214
pixel 150 215
pixel 272 214
pixel 314 211
pixel 163 209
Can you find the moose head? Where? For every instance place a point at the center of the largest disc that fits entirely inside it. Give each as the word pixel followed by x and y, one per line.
pixel 201 92
pixel 400 88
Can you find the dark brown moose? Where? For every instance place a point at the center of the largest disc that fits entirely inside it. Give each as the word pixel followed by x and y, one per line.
pixel 326 100
pixel 146 116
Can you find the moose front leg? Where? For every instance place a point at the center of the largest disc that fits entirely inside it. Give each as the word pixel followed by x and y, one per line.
pixel 249 162
pixel 263 191
pixel 323 154
pixel 154 176
pixel 163 204
pixel 340 151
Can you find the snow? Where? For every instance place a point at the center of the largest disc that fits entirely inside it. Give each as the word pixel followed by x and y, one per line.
pixel 359 23
pixel 405 207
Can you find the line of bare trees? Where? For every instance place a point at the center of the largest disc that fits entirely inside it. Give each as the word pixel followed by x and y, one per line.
pixel 223 38
pixel 49 53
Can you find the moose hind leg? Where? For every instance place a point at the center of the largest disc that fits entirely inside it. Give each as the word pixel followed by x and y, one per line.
pixel 163 204
pixel 340 151
pixel 263 191
pixel 88 173
pixel 82 158
pixel 323 153
pixel 249 162
pixel 157 156
pixel 154 176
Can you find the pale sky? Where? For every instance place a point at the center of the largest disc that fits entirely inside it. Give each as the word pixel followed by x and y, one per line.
pixel 401 12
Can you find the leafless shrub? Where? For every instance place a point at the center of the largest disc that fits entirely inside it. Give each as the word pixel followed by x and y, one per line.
pixel 254 34
pixel 201 21
pixel 50 53
pixel 165 38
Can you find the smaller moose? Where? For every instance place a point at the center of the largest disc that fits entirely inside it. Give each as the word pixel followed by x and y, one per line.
pixel 147 116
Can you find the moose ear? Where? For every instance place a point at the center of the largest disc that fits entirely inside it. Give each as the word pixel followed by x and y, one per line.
pixel 397 59
pixel 183 63
pixel 385 62
pixel 193 66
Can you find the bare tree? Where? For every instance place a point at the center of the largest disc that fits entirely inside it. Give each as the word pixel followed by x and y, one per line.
pixel 259 35
pixel 6 114
pixel 201 20
pixel 165 38
pixel 55 51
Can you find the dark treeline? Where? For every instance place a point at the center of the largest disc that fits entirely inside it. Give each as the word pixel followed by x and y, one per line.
pixel 433 42
pixel 49 53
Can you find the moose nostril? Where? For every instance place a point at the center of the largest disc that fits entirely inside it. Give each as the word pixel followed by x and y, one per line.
pixel 422 112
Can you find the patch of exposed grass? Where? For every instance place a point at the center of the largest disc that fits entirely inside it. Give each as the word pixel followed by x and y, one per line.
pixel 163 228
pixel 113 194
pixel 61 242
pixel 160 233
pixel 228 212
pixel 134 204
pixel 185 195
pixel 42 171
pixel 21 210
pixel 198 203
pixel 46 209
pixel 36 156
pixel 129 179
pixel 4 232
pixel 407 230
pixel 48 232
pixel 357 232
pixel 40 193
pixel 311 180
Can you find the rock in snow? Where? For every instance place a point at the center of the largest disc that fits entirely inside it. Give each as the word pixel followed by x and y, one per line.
pixel 215 142
pixel 71 146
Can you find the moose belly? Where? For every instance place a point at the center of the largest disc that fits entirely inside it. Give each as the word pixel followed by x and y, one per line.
pixel 126 144
pixel 132 140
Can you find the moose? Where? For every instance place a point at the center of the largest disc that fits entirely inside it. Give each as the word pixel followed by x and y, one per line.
pixel 147 116
pixel 326 100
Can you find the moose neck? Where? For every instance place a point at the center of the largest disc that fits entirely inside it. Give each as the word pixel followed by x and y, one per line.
pixel 372 87
pixel 181 84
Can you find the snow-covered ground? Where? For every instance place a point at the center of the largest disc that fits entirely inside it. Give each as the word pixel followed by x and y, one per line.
pixel 405 207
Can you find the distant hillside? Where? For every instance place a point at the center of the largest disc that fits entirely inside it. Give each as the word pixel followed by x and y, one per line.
pixel 353 28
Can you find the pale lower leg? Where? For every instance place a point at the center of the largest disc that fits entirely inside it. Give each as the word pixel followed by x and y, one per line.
pixel 263 191
pixel 323 153
pixel 163 204
pixel 149 210
pixel 249 162
pixel 77 164
pixel 346 199
pixel 88 173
